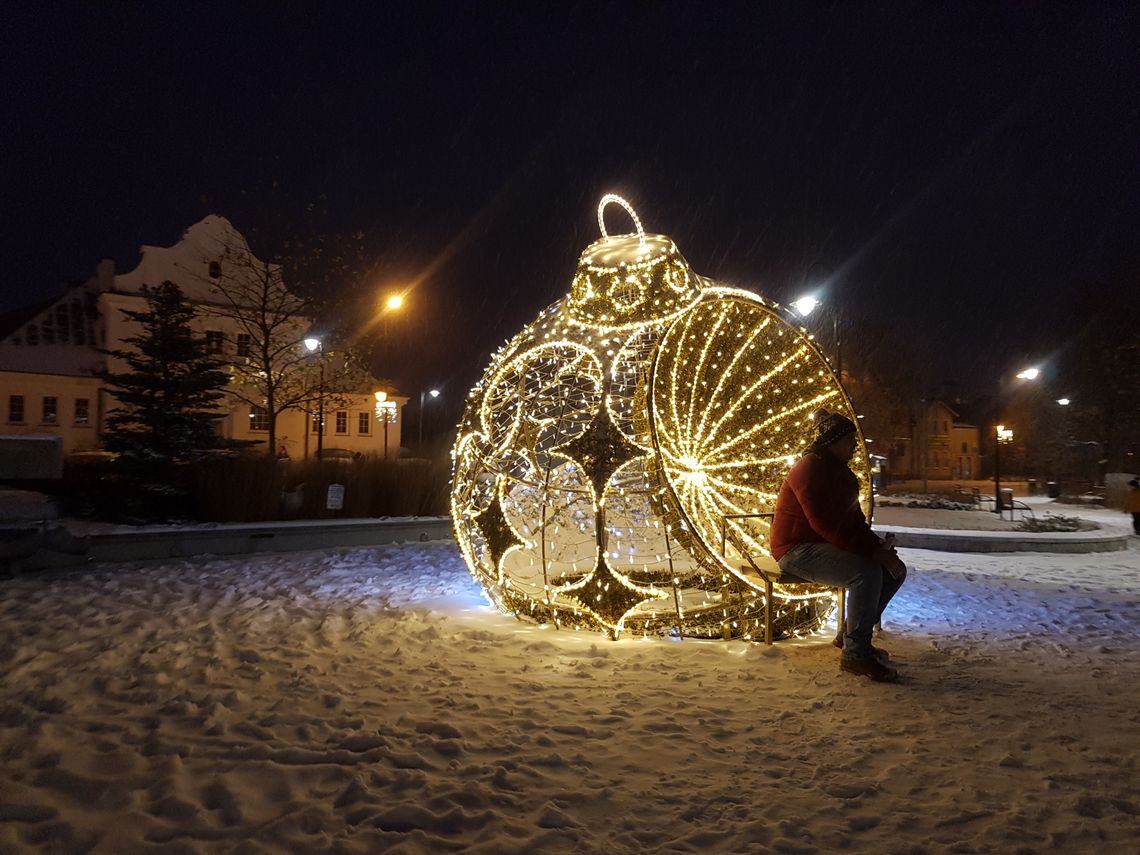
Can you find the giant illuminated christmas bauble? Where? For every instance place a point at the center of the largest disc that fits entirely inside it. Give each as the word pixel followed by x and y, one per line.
pixel 619 461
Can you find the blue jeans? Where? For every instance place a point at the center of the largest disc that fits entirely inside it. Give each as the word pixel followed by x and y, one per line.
pixel 869 588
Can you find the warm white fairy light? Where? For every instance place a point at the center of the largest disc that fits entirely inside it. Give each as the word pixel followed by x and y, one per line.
pixel 614 439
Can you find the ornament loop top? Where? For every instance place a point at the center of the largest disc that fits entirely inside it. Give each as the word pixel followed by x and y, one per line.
pixel 618 200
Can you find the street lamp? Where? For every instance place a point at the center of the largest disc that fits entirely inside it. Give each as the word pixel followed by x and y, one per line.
pixel 385 412
pixel 435 394
pixel 807 304
pixel 314 345
pixel 1002 434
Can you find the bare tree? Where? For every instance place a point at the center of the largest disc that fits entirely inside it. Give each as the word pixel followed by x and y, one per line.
pixel 274 369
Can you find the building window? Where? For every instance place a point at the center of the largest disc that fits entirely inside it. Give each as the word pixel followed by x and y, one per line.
pixel 215 270
pixel 315 423
pixel 341 421
pixel 214 341
pixel 258 418
pixel 82 411
pixel 51 409
pixel 364 423
pixel 16 409
pixel 243 344
pixel 63 322
pixel 78 322
pixel 964 447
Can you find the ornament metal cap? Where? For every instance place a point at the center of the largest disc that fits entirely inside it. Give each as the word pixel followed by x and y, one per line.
pixel 629 279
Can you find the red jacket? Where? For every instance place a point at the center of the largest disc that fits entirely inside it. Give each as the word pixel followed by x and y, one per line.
pixel 819 501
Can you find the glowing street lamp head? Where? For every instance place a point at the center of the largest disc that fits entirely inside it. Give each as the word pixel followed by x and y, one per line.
pixel 1064 402
pixel 1028 374
pixel 804 306
pixel 394 302
pixel 434 393
pixel 312 344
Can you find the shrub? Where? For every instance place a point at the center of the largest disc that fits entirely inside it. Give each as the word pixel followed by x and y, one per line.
pixel 937 503
pixel 1055 522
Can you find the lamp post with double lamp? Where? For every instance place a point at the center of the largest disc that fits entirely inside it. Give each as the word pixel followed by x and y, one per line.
pixel 1003 434
pixel 385 413
pixel 314 345
pixel 435 394
pixel 804 306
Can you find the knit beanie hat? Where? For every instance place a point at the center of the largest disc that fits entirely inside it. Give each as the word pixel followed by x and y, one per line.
pixel 830 427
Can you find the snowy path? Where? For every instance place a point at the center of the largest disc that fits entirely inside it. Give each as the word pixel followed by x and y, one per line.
pixel 367 701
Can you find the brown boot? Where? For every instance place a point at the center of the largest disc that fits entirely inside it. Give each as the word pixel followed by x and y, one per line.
pixel 878 652
pixel 871 667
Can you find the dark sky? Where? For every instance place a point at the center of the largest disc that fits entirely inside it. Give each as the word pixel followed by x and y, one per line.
pixel 962 169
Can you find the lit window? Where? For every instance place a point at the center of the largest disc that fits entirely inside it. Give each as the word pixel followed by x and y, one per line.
pixel 243 344
pixel 258 418
pixel 51 409
pixel 364 423
pixel 315 426
pixel 214 341
pixel 82 411
pixel 16 408
pixel 341 421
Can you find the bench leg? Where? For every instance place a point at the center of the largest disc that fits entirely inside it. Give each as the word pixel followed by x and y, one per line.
pixel 767 611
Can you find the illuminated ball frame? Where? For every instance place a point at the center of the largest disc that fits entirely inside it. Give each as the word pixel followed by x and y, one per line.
pixel 614 465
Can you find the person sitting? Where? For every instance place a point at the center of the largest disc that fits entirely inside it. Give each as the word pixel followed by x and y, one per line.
pixel 819 534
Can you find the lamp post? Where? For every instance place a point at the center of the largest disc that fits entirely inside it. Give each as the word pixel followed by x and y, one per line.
pixel 314 345
pixel 1002 434
pixel 804 306
pixel 1062 451
pixel 435 394
pixel 385 410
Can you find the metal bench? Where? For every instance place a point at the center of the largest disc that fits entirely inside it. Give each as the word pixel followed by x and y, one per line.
pixel 765 566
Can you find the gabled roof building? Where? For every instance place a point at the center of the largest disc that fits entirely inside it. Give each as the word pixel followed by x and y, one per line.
pixel 51 354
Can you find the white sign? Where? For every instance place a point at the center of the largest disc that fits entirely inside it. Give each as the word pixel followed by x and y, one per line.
pixel 335 499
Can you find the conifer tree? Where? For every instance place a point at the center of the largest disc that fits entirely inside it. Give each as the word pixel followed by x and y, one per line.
pixel 168 400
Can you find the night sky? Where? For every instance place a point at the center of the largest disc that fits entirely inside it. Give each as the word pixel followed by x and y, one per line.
pixel 963 170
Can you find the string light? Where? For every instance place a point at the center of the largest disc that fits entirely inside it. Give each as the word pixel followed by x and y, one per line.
pixel 614 442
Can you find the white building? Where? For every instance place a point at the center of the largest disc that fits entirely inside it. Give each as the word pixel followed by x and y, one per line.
pixel 50 355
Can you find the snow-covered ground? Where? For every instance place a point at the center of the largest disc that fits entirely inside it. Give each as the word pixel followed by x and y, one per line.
pixel 368 701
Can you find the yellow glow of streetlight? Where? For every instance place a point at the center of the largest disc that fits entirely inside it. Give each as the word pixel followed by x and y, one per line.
pixel 394 301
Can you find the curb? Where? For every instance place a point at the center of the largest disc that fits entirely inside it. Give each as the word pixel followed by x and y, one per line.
pixel 1002 541
pixel 36 548
pixel 245 538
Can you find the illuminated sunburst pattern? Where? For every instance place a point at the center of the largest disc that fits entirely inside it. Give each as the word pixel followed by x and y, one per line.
pixel 614 441
pixel 733 390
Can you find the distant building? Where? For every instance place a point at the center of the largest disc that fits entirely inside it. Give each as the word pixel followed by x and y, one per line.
pixel 50 354
pixel 937 447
